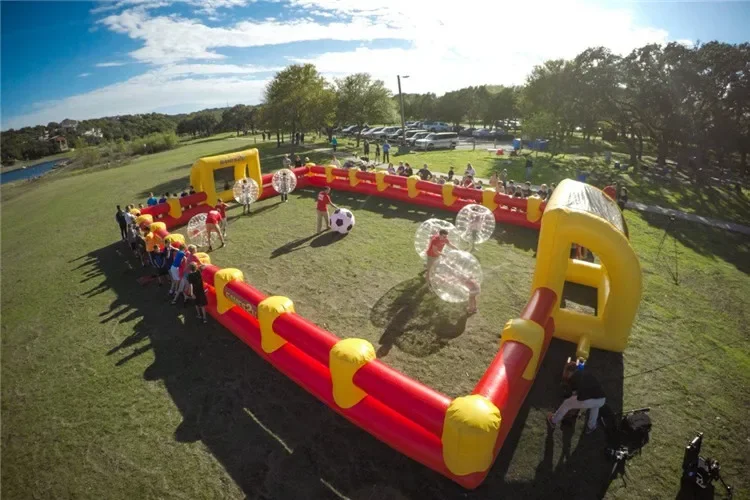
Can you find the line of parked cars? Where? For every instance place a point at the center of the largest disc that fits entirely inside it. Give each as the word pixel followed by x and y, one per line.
pixel 425 135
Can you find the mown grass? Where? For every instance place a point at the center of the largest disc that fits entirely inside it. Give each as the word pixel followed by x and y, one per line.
pixel 108 392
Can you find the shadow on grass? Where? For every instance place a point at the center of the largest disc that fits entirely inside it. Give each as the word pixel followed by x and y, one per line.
pixel 416 320
pixel 276 441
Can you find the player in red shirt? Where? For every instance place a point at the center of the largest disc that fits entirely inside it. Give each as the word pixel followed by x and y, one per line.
pixel 324 199
pixel 221 207
pixel 213 219
pixel 435 249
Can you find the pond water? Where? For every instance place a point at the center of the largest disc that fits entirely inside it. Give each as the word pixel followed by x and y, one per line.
pixel 28 172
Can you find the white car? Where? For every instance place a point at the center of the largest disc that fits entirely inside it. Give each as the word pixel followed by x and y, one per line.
pixel 372 133
pixel 416 136
pixel 437 141
pixel 383 134
pixel 437 126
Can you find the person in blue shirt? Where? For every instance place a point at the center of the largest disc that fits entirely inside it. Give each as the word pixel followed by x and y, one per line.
pixel 174 271
pixel 151 200
pixel 334 143
pixel 164 198
pixel 386 152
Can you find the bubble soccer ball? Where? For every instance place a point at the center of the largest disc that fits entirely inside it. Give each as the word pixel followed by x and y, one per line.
pixel 196 230
pixel 475 224
pixel 455 274
pixel 342 220
pixel 430 228
pixel 284 181
pixel 245 191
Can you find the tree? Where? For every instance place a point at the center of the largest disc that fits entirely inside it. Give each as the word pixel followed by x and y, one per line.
pixel 363 100
pixel 451 107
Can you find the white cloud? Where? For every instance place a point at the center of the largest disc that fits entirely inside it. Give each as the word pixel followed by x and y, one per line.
pixel 152 91
pixel 110 64
pixel 84 75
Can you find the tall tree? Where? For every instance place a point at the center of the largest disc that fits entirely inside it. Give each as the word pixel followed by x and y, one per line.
pixel 363 100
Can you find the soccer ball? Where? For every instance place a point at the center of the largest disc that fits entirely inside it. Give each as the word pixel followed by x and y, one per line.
pixel 342 220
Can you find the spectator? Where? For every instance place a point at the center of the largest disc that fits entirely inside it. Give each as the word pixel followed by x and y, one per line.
pixel 120 218
pixel 164 198
pixel 479 185
pixel 162 260
pixel 140 206
pixel 504 178
pixel 518 192
pixel 335 162
pixel 441 180
pixel 377 152
pixel 386 151
pixel 151 201
pixel 286 162
pixel 455 181
pixel 470 170
pixel 199 294
pixel 612 191
pixel 526 189
pixel 494 181
pixel 297 161
pixel 622 199
pixel 408 172
pixel 366 149
pixel 529 164
pixel 308 163
pixel 324 199
pixel 467 181
pixel 191 190
pixel 391 170
pixel 184 193
pixel 400 170
pixel 451 173
pixel 543 192
pixel 511 188
pixel 424 173
pixel 334 143
pixel 263 134
pixel 302 138
pixel 552 187
pixel 296 138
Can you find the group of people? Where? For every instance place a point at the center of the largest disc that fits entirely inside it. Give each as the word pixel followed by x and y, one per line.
pixel 175 262
pixel 153 200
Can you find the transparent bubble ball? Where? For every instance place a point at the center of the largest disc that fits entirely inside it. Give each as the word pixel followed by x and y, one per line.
pixel 245 191
pixel 455 275
pixel 342 220
pixel 430 228
pixel 284 181
pixel 475 223
pixel 196 230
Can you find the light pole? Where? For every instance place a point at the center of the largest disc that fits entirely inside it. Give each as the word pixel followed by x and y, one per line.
pixel 401 98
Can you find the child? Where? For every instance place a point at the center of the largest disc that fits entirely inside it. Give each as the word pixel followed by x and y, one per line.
pixel 324 199
pixel 199 294
pixel 435 249
pixel 213 218
pixel 284 185
pixel 377 153
pixel 527 189
pixel 183 287
pixel 391 170
pixel 245 196
pixel 474 289
pixel 163 258
pixel 451 173
pixel 174 269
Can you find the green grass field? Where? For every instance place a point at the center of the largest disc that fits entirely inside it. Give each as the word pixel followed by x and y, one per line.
pixel 109 392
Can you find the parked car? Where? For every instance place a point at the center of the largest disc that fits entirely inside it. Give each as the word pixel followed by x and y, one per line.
pixel 410 133
pixel 437 141
pixel 410 125
pixel 387 131
pixel 467 132
pixel 437 126
pixel 370 134
pixel 348 130
pixel 396 136
pixel 419 135
pixel 483 133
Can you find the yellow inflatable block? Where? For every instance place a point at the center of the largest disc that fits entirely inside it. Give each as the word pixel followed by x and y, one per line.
pixel 175 210
pixel 448 197
pixel 488 198
pixel 176 238
pixel 470 431
pixel 268 310
pixel 329 173
pixel 203 258
pixel 533 208
pixel 345 358
pixel 353 181
pixel 221 278
pixel 411 186
pixel 380 180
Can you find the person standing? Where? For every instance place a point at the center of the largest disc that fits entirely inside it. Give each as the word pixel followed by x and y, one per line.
pixel 213 218
pixel 377 152
pixel 386 151
pixel 151 200
pixel 221 207
pixel 122 222
pixel 324 199
pixel 451 173
pixel 470 170
pixel 504 178
pixel 302 138
pixel 284 185
pixel 529 165
pixel 586 393
pixel 199 294
pixel 286 162
pixel 334 143
pixel 366 149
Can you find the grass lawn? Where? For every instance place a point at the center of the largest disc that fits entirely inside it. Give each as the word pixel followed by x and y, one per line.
pixel 109 392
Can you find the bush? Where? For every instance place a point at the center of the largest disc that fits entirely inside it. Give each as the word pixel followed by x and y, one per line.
pixel 153 143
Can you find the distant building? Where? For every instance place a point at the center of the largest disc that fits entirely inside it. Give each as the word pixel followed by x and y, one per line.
pixel 61 143
pixel 69 124
pixel 94 132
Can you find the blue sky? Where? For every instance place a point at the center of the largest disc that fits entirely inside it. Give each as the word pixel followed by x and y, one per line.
pixel 87 59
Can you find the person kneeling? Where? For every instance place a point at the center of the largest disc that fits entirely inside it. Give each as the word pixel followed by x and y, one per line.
pixel 586 394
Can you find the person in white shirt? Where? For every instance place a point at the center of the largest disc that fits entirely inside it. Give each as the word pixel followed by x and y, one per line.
pixel 335 162
pixel 470 170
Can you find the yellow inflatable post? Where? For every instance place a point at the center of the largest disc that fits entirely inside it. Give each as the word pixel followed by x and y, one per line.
pixel 245 164
pixel 582 214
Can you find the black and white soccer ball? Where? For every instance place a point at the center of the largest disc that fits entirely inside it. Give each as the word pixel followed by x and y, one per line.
pixel 342 220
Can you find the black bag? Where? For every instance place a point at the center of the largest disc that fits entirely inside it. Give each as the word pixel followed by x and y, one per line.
pixel 634 430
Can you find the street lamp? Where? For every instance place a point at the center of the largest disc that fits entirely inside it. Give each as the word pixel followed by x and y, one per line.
pixel 401 98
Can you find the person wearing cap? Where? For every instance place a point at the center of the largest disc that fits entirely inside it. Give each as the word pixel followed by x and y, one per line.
pixel 586 393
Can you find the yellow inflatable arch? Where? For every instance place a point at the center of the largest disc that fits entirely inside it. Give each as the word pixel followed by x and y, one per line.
pixel 580 213
pixel 245 164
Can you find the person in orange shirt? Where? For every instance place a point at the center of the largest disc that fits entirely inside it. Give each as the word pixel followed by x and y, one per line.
pixel 435 249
